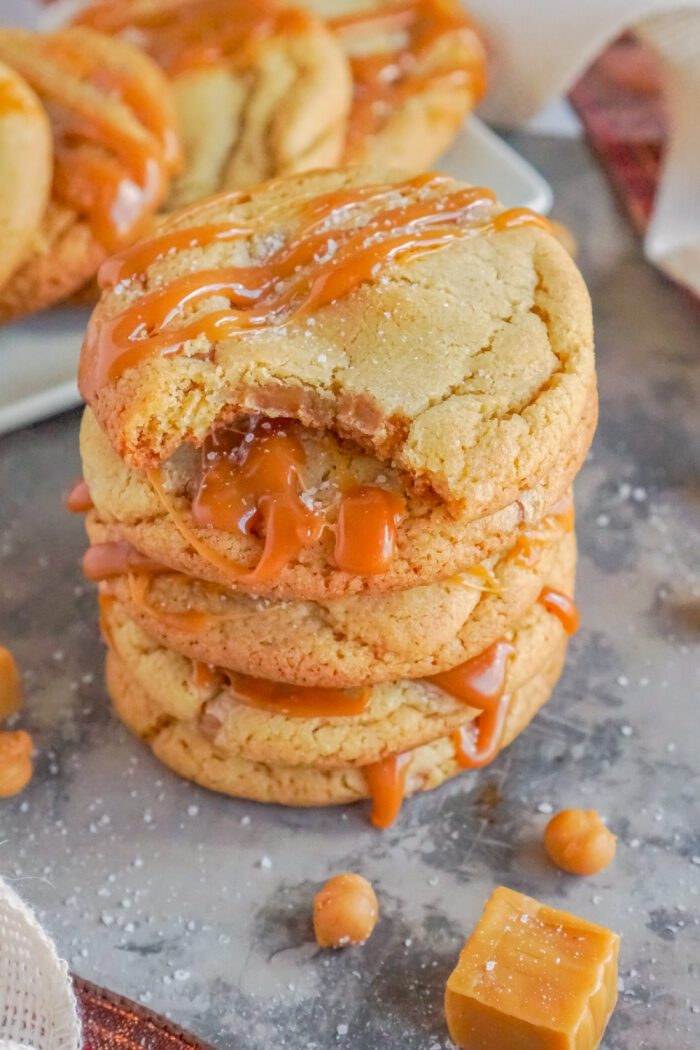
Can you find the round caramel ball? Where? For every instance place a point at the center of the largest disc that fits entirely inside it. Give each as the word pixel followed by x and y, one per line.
pixel 345 911
pixel 578 841
pixel 15 762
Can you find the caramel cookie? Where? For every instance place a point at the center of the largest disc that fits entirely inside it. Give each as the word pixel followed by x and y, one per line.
pixel 261 88
pixel 25 168
pixel 433 540
pixel 261 721
pixel 346 642
pixel 191 753
pixel 416 318
pixel 114 150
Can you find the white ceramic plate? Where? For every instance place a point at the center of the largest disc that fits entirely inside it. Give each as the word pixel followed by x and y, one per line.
pixel 39 356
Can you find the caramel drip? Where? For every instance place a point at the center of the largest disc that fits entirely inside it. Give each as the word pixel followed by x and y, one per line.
pixel 252 483
pixel 384 81
pixel 79 500
pixel 365 536
pixel 530 542
pixel 476 744
pixel 298 701
pixel 481 681
pixel 315 267
pixel 386 781
pixel 110 171
pixel 103 560
pixel 561 606
pixel 187 34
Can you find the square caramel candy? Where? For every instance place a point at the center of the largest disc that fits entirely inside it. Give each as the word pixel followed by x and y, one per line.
pixel 532 978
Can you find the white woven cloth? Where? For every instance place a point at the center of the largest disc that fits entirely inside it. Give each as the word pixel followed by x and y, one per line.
pixel 37 1006
pixel 539 49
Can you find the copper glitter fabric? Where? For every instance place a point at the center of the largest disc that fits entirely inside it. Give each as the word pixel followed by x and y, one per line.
pixel 111 1022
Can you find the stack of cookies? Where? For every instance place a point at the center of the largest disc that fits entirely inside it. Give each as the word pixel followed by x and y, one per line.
pixel 333 425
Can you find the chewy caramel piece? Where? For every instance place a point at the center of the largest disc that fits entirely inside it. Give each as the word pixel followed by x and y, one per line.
pixel 10 688
pixel 532 978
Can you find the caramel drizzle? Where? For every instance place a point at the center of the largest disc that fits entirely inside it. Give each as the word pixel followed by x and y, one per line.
pixel 386 781
pixel 187 34
pixel 366 531
pixel 315 267
pixel 79 500
pixel 251 483
pixel 561 606
pixel 111 172
pixel 103 560
pixel 480 681
pixel 382 82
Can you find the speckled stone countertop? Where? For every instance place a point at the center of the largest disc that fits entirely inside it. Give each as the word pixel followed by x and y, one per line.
pixel 199 906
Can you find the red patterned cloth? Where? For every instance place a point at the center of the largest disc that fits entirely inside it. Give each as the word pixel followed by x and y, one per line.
pixel 111 1022
pixel 620 104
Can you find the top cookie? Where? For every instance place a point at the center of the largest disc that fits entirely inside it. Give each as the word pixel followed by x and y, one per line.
pixel 418 68
pixel 262 88
pixel 114 148
pixel 415 317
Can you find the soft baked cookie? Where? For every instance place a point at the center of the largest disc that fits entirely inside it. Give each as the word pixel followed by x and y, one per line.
pixel 114 149
pixel 348 642
pixel 415 317
pixel 392 716
pixel 189 752
pixel 433 540
pixel 25 168
pixel 418 68
pixel 261 88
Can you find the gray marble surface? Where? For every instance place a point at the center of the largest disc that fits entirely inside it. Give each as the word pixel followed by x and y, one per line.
pixel 200 906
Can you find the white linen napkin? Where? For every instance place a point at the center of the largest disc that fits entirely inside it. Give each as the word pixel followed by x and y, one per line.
pixel 539 49
pixel 37 1006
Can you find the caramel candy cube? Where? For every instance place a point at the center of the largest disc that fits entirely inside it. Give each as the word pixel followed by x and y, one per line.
pixel 10 689
pixel 532 978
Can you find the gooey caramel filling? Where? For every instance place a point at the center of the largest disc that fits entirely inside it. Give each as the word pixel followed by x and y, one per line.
pixel 251 482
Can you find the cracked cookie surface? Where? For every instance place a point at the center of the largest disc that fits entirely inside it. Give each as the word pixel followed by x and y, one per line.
pixel 467 365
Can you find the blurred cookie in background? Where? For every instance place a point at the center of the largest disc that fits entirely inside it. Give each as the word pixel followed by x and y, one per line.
pixel 114 150
pixel 261 89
